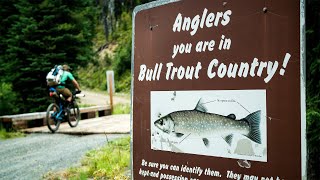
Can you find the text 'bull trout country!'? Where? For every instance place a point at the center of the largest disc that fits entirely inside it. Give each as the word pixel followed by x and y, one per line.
pixel 215 69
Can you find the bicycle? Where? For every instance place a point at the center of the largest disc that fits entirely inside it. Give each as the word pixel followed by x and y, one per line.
pixel 57 112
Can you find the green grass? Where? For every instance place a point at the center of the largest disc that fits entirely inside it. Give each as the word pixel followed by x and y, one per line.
pixel 9 135
pixel 121 109
pixel 123 94
pixel 84 105
pixel 109 162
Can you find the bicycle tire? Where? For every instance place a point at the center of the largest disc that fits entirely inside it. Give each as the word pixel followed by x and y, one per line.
pixel 73 115
pixel 52 124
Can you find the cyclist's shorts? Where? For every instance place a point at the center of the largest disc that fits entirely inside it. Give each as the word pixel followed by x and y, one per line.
pixel 65 92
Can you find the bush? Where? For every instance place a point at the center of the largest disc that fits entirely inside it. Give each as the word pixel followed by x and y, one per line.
pixel 7 99
pixel 121 109
pixel 9 134
pixel 313 138
pixel 94 75
pixel 110 162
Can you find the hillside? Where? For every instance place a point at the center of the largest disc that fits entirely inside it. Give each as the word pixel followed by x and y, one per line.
pixel 112 46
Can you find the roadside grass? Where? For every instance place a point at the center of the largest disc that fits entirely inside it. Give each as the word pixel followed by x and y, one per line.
pixel 109 162
pixel 121 109
pixel 9 135
pixel 117 108
pixel 84 105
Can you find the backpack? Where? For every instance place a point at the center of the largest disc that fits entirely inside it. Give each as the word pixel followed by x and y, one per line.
pixel 54 76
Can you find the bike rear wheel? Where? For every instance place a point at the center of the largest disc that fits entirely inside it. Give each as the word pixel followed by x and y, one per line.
pixel 52 122
pixel 73 115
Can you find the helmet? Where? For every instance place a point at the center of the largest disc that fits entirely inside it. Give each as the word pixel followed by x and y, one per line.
pixel 66 67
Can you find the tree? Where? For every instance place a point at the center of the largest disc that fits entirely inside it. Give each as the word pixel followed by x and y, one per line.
pixel 38 35
pixel 313 87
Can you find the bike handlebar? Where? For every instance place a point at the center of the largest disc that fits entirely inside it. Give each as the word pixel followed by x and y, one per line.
pixel 75 93
pixel 80 95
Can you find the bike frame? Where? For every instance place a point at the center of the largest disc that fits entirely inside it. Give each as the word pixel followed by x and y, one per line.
pixel 69 113
pixel 59 102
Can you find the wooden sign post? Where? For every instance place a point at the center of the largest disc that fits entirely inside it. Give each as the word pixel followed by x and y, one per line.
pixel 110 84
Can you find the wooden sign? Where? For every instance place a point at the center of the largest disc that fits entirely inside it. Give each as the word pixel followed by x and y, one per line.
pixel 218 90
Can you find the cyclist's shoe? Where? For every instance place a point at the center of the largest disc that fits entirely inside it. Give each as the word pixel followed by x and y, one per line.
pixel 66 108
pixel 77 92
pixel 67 104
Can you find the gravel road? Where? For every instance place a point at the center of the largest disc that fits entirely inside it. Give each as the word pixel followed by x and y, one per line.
pixel 33 156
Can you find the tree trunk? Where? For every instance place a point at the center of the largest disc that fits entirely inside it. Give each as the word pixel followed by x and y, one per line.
pixel 104 17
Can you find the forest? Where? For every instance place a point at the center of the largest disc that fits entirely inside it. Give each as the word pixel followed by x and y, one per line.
pixel 38 34
pixel 35 35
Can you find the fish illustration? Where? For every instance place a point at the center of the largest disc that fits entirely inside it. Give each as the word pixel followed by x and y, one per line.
pixel 205 124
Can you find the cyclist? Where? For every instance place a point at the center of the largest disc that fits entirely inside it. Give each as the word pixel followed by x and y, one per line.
pixel 64 78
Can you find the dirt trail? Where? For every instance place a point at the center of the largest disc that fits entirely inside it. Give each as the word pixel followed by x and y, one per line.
pixel 102 98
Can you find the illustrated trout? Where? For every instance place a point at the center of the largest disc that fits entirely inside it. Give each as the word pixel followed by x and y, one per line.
pixel 205 124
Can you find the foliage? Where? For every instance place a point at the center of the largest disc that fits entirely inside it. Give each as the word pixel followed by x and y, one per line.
pixel 93 75
pixel 120 62
pixel 7 99
pixel 36 35
pixel 121 109
pixel 313 123
pixel 109 162
pixel 122 59
pixel 124 82
pixel 10 134
pixel 313 87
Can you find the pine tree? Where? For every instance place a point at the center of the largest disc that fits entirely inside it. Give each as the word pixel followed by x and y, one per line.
pixel 40 34
pixel 313 87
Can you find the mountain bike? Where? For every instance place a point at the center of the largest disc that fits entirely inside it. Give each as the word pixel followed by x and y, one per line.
pixel 60 111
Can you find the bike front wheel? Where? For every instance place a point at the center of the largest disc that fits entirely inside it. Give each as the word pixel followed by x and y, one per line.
pixel 73 115
pixel 51 117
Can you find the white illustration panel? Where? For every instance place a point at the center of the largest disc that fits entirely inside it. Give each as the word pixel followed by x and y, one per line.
pixel 220 123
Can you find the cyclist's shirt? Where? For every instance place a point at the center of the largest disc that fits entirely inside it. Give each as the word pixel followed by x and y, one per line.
pixel 65 76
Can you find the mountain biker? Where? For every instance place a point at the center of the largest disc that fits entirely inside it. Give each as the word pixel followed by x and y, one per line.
pixel 64 78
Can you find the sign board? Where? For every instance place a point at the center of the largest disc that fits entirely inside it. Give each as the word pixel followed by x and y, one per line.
pixel 218 90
